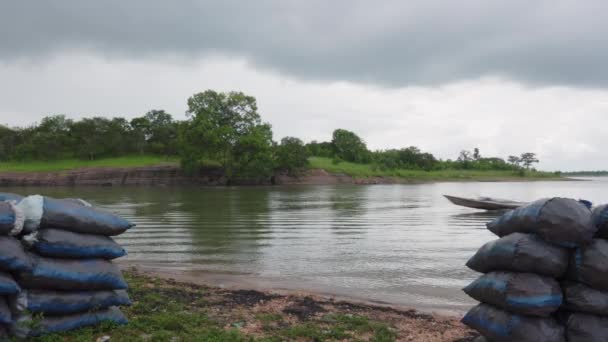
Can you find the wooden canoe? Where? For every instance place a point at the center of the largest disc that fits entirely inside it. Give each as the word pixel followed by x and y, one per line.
pixel 485 203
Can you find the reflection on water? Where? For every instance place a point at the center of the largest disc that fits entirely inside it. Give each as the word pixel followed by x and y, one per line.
pixel 402 244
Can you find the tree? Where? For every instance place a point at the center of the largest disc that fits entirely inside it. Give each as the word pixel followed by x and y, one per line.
pixel 465 159
pixel 140 133
pixel 50 139
pixel 348 146
pixel 476 155
pixel 320 149
pixel 89 138
pixel 8 142
pixel 514 160
pixel 465 156
pixel 291 155
pixel 162 132
pixel 226 127
pixel 528 158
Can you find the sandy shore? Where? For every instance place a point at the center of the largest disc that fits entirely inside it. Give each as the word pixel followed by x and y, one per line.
pixel 298 307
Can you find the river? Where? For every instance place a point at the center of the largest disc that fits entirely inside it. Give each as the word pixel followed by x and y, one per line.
pixel 397 244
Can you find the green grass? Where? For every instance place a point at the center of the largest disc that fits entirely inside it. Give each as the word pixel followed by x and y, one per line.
pixel 70 164
pixel 366 171
pixel 167 311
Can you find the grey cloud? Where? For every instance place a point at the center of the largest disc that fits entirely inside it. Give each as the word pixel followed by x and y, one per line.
pixel 389 43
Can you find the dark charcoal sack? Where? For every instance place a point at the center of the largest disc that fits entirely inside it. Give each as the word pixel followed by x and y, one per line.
pixel 519 252
pixel 67 302
pixel 26 327
pixel 12 256
pixel 600 219
pixel 501 326
pixel 46 212
pixel 587 328
pixel 3 333
pixel 521 293
pixel 11 219
pixel 7 196
pixel 581 298
pixel 8 285
pixel 72 275
pixel 563 221
pixel 64 244
pixel 589 265
pixel 5 312
pixel 81 219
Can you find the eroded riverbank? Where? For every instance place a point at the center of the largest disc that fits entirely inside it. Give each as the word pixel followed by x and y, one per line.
pixel 172 175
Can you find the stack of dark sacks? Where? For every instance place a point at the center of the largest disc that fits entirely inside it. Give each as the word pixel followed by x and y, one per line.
pixel 586 286
pixel 60 256
pixel 12 260
pixel 520 292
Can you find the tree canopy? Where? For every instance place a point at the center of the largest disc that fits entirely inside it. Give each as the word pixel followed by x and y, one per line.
pixel 349 146
pixel 227 128
pixel 222 130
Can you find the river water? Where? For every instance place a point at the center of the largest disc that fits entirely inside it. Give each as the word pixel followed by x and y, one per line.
pixel 399 244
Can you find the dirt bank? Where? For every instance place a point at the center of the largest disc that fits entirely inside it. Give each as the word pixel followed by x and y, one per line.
pixel 270 315
pixel 148 175
pixel 167 175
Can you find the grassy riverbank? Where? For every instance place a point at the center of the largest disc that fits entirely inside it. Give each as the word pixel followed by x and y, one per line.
pixel 347 168
pixel 366 171
pixel 165 310
pixel 71 164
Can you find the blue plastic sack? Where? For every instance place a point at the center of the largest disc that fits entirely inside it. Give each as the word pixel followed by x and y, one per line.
pixel 8 285
pixel 520 252
pixel 72 215
pixel 521 293
pixel 72 275
pixel 25 326
pixel 562 221
pixel 13 257
pixel 81 219
pixel 11 219
pixel 501 326
pixel 65 244
pixel 7 196
pixel 67 302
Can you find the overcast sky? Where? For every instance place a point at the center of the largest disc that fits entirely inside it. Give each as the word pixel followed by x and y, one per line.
pixel 505 76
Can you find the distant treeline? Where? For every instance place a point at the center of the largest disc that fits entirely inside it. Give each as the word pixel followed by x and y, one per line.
pixel 586 173
pixel 221 130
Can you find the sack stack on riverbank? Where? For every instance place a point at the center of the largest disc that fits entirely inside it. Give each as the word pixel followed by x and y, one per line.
pixel 55 258
pixel 586 287
pixel 527 293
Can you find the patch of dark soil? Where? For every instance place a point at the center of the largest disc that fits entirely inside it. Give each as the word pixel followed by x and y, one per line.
pixel 304 308
pixel 245 297
pixel 362 308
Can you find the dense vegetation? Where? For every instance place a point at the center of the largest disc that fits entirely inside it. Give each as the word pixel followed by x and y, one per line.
pixel 223 130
